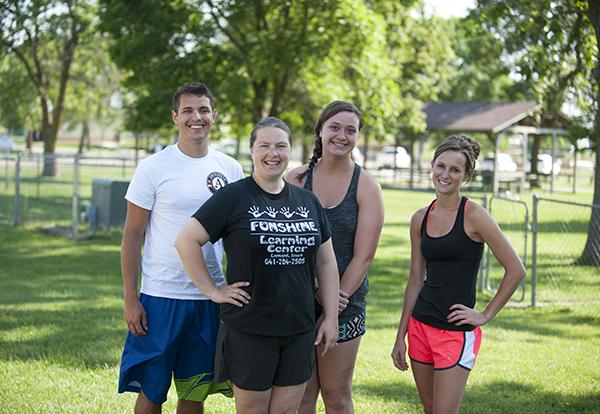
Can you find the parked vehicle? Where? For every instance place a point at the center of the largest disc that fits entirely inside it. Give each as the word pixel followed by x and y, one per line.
pixel 358 157
pixel 385 158
pixel 6 143
pixel 505 163
pixel 544 165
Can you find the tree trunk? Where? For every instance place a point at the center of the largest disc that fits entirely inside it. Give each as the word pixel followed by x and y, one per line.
pixel 535 150
pixel 29 141
pixel 84 138
pixel 136 154
pixel 258 100
pixel 591 252
pixel 366 147
pixel 411 152
pixel 238 146
pixel 49 137
pixel 305 150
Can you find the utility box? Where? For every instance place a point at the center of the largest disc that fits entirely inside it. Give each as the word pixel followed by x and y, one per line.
pixel 110 204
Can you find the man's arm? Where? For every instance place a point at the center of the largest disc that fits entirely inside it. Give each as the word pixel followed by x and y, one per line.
pixel 131 257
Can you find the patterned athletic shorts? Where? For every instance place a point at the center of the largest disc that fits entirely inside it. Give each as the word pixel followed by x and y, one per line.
pixel 354 328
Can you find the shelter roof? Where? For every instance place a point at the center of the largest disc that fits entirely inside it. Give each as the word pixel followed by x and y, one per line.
pixel 476 116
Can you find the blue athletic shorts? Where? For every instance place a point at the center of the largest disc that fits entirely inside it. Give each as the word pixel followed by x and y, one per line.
pixel 180 343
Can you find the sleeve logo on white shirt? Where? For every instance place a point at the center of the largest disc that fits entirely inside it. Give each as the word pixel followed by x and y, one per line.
pixel 215 181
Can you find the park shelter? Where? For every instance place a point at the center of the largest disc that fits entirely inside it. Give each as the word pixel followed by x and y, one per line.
pixel 496 120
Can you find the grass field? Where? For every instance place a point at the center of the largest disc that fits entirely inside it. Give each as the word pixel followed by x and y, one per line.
pixel 61 334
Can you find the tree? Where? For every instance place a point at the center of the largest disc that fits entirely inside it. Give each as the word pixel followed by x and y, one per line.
pixel 553 46
pixel 43 36
pixel 480 72
pixel 249 53
pixel 591 252
pixel 550 46
pixel 95 81
pixel 359 70
pixel 420 47
pixel 17 97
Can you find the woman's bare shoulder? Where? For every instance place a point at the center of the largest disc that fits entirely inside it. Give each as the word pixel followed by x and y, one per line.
pixel 292 175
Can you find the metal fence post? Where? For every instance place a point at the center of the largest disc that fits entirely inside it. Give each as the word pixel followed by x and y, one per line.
pixel 534 231
pixel 75 205
pixel 17 216
pixel 38 176
pixel 6 172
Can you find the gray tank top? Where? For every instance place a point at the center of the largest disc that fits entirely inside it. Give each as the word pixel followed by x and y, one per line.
pixel 343 219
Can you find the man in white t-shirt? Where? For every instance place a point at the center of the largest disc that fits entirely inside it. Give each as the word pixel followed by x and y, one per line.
pixel 172 325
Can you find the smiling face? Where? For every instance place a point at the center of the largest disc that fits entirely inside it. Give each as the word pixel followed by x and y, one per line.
pixel 448 172
pixel 270 153
pixel 194 117
pixel 339 134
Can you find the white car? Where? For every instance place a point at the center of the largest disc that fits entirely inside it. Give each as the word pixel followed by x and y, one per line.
pixel 505 163
pixel 358 157
pixel 6 143
pixel 544 165
pixel 385 158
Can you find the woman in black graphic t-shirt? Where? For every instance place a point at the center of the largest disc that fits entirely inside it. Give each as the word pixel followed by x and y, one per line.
pixel 277 239
pixel 438 315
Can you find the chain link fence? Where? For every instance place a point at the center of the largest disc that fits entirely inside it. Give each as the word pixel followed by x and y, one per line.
pixel 8 169
pixel 549 235
pixel 512 215
pixel 56 203
pixel 560 233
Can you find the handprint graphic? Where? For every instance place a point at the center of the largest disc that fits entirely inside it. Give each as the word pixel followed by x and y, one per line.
pixel 302 212
pixel 286 212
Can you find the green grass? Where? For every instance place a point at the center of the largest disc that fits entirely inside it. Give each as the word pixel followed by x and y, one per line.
pixel 61 334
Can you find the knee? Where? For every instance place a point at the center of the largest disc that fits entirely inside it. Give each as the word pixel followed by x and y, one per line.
pixel 308 404
pixel 189 407
pixel 337 400
pixel 311 392
pixel 144 405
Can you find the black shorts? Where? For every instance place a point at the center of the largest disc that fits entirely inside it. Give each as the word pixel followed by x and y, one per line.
pixel 256 362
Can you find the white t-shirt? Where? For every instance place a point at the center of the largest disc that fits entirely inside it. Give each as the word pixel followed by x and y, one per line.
pixel 173 186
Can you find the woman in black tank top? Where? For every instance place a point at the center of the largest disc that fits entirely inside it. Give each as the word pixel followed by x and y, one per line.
pixel 447 239
pixel 354 206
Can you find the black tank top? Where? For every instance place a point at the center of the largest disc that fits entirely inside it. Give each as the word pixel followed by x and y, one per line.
pixel 343 219
pixel 452 264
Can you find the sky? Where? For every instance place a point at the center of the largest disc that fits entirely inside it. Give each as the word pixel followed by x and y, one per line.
pixel 448 8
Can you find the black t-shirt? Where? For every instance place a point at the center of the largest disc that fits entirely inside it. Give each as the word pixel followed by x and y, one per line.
pixel 271 241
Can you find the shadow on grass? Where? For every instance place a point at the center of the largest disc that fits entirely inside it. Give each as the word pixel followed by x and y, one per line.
pixel 512 397
pixel 497 397
pixel 396 391
pixel 61 301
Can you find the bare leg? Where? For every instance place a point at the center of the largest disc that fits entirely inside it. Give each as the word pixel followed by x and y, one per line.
pixel 423 375
pixel 251 402
pixel 144 406
pixel 189 407
pixel 335 376
pixel 308 405
pixel 285 400
pixel 448 389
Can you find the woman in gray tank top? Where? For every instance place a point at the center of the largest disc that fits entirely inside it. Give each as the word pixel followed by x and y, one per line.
pixel 354 208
